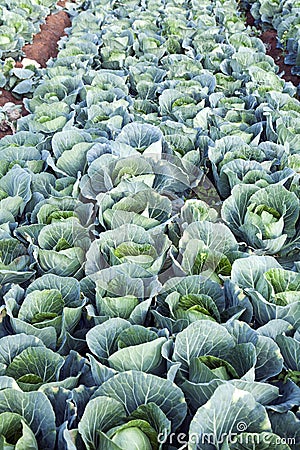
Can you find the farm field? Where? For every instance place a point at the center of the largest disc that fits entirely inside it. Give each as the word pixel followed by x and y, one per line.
pixel 149 225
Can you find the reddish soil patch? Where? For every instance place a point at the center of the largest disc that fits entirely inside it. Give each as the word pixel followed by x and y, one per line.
pixel 63 2
pixel 249 19
pixel 269 38
pixel 6 97
pixel 44 44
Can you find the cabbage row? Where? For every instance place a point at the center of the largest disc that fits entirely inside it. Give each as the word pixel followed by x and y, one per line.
pixel 283 16
pixel 149 239
pixel 19 22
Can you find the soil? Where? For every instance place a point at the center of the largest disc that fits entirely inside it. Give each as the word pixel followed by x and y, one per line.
pixel 250 19
pixel 44 47
pixel 6 97
pixel 44 44
pixel 269 38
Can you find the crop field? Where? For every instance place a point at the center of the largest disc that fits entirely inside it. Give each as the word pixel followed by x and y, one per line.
pixel 149 225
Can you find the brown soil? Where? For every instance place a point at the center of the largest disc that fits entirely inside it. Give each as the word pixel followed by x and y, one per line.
pixel 44 44
pixel 6 97
pixel 43 48
pixel 249 19
pixel 63 3
pixel 269 38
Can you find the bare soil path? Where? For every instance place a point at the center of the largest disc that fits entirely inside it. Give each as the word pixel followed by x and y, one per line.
pixel 269 38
